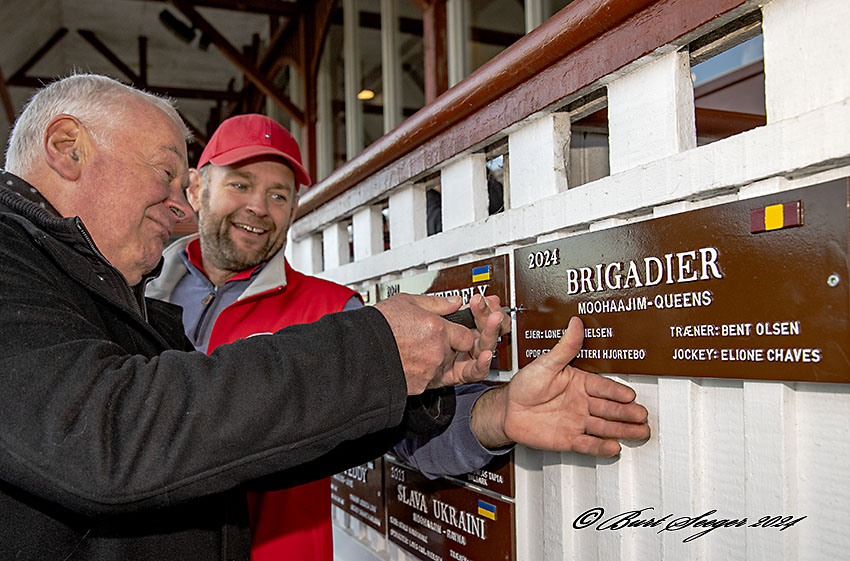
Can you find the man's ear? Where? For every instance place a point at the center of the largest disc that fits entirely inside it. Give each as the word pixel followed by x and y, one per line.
pixel 193 192
pixel 66 146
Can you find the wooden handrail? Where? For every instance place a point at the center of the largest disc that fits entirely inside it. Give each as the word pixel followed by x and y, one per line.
pixel 574 26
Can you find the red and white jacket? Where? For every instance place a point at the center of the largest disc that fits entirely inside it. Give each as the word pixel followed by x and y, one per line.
pixel 294 523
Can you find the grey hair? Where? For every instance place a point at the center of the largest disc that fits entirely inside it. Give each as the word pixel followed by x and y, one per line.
pixel 97 101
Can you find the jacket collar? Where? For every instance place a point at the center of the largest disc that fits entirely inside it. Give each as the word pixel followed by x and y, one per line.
pixel 273 275
pixel 26 200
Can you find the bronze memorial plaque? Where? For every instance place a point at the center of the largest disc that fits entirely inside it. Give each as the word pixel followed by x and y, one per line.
pixel 748 289
pixel 359 491
pixel 486 276
pixel 441 520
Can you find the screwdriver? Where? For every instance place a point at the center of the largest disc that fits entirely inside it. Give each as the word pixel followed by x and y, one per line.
pixel 465 318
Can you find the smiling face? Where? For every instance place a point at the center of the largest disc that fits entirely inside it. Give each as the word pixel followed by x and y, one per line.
pixel 131 191
pixel 244 212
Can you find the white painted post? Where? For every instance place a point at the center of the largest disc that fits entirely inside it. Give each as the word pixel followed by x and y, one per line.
pixel 641 471
pixel 725 440
pixel 680 457
pixel 305 255
pixel 368 230
pixel 539 156
pixel 822 456
pixel 407 215
pixel 805 56
pixel 651 112
pixel 569 490
pixel 335 245
pixel 457 40
pixel 391 65
pixel 770 462
pixel 296 95
pixel 536 12
pixel 528 466
pixel 324 120
pixel 464 191
pixel 353 109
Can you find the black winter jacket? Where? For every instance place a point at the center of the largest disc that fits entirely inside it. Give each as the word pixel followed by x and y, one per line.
pixel 118 442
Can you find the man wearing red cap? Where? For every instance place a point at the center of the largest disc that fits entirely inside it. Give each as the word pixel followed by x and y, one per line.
pixel 120 441
pixel 233 281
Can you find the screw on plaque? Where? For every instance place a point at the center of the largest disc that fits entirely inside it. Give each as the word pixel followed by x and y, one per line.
pixel 833 280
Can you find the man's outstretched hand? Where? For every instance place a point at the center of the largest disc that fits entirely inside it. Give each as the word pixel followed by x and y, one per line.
pixel 552 406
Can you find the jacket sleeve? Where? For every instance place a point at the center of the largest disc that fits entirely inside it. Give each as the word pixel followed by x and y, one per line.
pixel 99 429
pixel 453 449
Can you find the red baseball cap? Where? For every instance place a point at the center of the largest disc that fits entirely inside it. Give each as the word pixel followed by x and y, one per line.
pixel 247 136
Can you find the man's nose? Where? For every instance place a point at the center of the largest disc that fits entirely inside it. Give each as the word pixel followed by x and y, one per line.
pixel 258 203
pixel 180 207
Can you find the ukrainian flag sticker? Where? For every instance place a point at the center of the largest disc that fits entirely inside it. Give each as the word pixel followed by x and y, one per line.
pixel 481 273
pixel 486 510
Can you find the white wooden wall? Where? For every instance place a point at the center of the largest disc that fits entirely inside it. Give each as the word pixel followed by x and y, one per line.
pixel 745 448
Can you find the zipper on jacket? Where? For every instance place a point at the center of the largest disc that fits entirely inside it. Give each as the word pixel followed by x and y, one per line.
pixel 140 306
pixel 205 308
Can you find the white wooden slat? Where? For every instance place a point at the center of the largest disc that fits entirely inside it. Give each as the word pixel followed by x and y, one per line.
pixel 641 459
pixel 464 191
pixel 802 43
pixel 613 485
pixel 324 119
pixel 368 231
pixel 724 442
pixel 539 156
pixel 569 491
pixel 306 254
pixel 823 471
pixel 771 466
pixel 529 503
pixel 651 112
pixel 335 245
pixel 680 461
pixel 407 215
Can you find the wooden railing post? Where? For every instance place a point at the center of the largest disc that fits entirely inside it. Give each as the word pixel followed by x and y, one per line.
pixel 464 191
pixel 651 112
pixel 407 215
pixel 368 229
pixel 805 56
pixel 539 156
